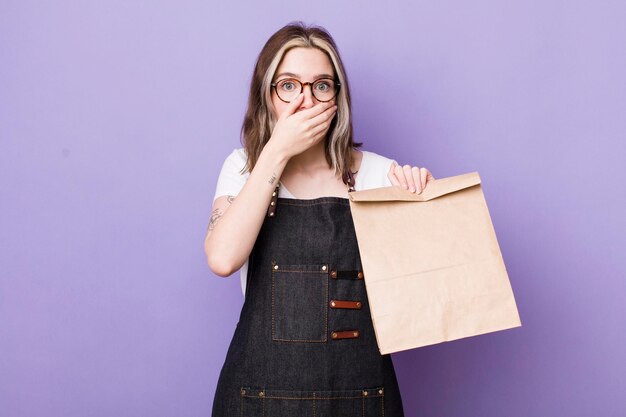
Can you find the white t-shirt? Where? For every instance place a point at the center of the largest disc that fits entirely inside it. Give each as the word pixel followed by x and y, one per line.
pixel 372 174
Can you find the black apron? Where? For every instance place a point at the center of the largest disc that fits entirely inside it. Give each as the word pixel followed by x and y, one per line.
pixel 304 345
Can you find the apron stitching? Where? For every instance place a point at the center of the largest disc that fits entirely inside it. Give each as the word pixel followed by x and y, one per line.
pixel 300 340
pixel 363 406
pixel 382 405
pixel 273 325
pixel 326 310
pixel 317 203
pixel 272 397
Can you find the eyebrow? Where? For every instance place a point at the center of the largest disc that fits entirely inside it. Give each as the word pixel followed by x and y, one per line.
pixel 291 74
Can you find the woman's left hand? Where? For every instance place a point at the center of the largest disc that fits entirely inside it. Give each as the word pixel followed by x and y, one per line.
pixel 408 177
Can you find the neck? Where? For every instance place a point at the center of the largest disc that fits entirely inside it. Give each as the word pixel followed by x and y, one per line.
pixel 312 159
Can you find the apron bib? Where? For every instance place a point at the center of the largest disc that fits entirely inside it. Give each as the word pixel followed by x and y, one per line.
pixel 304 345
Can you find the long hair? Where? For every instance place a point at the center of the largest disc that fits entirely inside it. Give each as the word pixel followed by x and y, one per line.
pixel 259 120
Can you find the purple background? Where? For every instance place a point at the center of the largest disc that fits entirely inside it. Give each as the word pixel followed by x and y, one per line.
pixel 115 117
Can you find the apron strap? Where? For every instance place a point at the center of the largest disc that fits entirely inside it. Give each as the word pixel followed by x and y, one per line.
pixel 348 179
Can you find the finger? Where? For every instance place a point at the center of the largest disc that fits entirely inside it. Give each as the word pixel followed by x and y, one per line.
pixel 315 110
pixel 410 182
pixel 424 177
pixel 401 177
pixel 292 107
pixel 392 174
pixel 320 129
pixel 418 178
pixel 326 115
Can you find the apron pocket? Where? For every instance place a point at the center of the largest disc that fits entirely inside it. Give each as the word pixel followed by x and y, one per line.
pixel 258 402
pixel 299 302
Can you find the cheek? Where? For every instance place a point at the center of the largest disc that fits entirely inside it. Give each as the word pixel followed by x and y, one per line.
pixel 279 106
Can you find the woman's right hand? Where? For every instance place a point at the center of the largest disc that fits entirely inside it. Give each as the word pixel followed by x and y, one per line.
pixel 297 131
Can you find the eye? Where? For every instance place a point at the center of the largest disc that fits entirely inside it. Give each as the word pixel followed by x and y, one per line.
pixel 325 86
pixel 287 85
pixel 322 86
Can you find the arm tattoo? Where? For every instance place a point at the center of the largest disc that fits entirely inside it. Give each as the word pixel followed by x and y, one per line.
pixel 215 216
pixel 272 179
pixel 217 213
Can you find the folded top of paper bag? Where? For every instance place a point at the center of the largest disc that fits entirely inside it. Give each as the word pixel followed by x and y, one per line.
pixel 433 189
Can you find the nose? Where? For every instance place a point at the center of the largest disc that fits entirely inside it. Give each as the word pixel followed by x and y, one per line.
pixel 309 100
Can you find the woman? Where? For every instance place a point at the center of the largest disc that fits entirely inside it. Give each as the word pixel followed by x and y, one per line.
pixel 304 344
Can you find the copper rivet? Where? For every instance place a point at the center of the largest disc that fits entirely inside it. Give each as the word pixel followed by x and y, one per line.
pixel 333 274
pixel 360 274
pixel 272 203
pixel 261 394
pixel 332 303
pixel 271 214
pixel 365 393
pixel 358 304
pixel 275 266
pixel 324 268
pixel 334 335
pixel 356 333
pixel 243 392
pixel 380 391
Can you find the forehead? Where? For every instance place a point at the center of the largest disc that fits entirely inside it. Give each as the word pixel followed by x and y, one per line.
pixel 305 63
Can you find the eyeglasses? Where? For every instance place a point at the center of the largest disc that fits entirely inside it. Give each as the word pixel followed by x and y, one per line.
pixel 323 89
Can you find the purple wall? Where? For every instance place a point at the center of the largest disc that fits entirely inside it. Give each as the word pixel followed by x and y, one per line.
pixel 115 117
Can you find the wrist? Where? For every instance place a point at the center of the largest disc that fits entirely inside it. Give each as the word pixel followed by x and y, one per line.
pixel 275 154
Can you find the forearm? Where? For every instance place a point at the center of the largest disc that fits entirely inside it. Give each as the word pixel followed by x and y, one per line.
pixel 231 235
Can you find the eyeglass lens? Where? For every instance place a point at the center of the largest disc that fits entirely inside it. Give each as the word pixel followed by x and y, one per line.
pixel 323 89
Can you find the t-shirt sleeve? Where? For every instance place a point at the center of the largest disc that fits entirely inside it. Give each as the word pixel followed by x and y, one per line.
pixel 230 180
pixel 387 163
pixel 374 172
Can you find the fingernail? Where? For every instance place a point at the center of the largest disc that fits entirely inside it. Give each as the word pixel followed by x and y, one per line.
pixel 412 189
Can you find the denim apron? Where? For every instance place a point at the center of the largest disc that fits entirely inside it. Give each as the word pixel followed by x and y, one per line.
pixel 304 345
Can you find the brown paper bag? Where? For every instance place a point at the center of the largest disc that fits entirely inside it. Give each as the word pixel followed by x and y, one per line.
pixel 431 262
